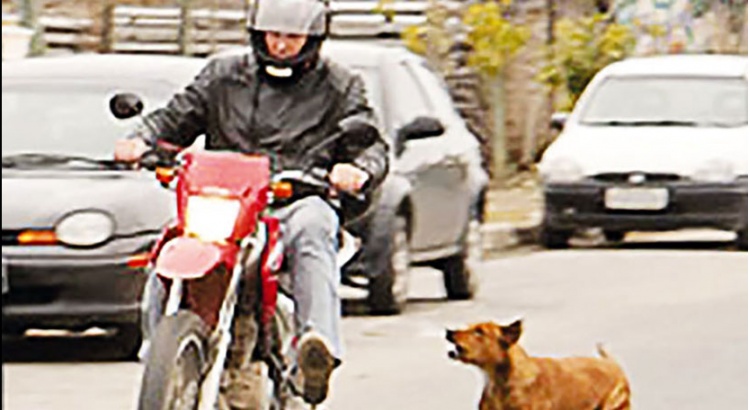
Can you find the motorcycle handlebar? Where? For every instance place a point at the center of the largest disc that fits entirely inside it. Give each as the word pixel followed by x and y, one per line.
pixel 316 178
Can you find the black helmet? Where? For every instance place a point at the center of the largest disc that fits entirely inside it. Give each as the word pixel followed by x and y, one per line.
pixel 305 17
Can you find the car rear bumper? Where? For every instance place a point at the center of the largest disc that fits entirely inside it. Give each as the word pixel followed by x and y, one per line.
pixel 71 293
pixel 690 205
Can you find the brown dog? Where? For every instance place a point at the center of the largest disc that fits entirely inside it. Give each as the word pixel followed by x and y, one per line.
pixel 516 381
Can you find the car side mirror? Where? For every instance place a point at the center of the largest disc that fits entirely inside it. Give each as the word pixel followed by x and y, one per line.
pixel 558 120
pixel 125 105
pixel 421 127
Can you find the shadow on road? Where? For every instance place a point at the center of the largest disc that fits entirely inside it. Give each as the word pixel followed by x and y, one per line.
pixel 359 308
pixel 59 350
pixel 670 245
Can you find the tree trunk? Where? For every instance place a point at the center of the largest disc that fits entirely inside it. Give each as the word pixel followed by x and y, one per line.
pixel 495 87
pixel 184 39
pixel 108 27
pixel 29 14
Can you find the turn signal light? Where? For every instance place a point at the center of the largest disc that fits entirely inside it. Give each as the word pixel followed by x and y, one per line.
pixel 282 190
pixel 165 175
pixel 33 237
pixel 139 261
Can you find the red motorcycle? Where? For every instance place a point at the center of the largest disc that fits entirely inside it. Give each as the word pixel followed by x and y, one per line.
pixel 220 264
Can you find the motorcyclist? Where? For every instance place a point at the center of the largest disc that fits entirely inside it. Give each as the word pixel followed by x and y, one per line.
pixel 283 98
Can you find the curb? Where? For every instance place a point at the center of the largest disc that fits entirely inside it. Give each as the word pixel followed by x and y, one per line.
pixel 503 235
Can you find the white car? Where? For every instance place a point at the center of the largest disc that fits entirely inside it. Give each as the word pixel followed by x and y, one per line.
pixel 653 144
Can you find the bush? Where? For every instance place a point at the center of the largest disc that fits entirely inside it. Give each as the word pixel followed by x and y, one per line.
pixel 582 47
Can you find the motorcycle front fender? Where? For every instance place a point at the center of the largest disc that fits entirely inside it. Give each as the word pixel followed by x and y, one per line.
pixel 190 258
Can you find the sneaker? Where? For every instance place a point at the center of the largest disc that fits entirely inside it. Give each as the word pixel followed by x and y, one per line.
pixel 316 363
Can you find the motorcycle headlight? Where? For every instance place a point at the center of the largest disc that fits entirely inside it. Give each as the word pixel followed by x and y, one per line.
pixel 85 228
pixel 715 171
pixel 561 170
pixel 211 218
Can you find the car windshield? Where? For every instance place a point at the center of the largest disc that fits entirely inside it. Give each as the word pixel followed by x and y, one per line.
pixel 373 85
pixel 665 101
pixel 69 118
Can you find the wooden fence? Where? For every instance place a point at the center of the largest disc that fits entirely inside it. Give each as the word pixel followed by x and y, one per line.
pixel 62 32
pixel 201 31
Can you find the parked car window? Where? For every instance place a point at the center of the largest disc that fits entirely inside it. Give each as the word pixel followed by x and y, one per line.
pixel 407 99
pixel 70 117
pixel 436 90
pixel 702 101
pixel 373 89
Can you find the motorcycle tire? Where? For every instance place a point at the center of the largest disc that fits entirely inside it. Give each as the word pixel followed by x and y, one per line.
pixel 175 365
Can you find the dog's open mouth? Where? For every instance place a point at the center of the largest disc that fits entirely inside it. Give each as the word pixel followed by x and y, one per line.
pixel 456 352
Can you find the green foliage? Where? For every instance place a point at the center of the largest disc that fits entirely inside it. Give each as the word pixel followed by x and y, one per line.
pixel 582 47
pixel 432 39
pixel 414 38
pixel 494 39
pixel 385 7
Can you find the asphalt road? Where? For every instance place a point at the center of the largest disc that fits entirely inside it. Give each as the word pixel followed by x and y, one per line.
pixel 674 315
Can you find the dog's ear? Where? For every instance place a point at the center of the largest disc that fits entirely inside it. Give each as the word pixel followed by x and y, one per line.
pixel 512 332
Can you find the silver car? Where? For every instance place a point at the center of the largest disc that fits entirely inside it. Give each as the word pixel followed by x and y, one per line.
pixel 75 222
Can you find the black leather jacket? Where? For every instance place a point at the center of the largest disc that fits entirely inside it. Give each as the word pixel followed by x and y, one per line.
pixel 237 109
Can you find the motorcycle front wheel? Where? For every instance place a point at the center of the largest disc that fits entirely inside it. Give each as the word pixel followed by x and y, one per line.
pixel 175 364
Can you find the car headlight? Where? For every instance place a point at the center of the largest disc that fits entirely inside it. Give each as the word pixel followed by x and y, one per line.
pixel 715 171
pixel 85 228
pixel 561 170
pixel 211 218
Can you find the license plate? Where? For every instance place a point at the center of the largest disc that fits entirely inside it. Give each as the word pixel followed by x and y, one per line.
pixel 636 199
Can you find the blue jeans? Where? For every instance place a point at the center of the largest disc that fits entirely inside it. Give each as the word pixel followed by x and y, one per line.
pixel 309 231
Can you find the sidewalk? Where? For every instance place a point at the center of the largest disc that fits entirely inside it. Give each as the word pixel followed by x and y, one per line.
pixel 513 213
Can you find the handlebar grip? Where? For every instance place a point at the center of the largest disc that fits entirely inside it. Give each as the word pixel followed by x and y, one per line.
pixel 156 158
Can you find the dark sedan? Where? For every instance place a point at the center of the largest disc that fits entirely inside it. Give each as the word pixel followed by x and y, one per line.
pixel 73 221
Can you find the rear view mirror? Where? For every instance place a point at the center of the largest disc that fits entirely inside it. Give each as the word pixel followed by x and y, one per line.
pixel 125 105
pixel 558 120
pixel 421 127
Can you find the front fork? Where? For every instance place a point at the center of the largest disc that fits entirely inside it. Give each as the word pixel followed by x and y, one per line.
pixel 221 337
pixel 223 333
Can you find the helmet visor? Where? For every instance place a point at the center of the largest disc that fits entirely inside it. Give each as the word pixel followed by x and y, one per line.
pixel 302 17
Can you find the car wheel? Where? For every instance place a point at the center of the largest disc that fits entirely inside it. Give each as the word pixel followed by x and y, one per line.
pixel 553 238
pixel 614 236
pixel 126 342
pixel 741 240
pixel 388 291
pixel 459 272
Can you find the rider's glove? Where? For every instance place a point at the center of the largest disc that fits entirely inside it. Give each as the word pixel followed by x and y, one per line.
pixel 142 132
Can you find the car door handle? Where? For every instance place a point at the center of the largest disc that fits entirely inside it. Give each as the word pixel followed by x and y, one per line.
pixel 453 160
pixel 459 162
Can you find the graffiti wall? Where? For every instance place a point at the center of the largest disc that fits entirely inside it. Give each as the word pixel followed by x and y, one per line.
pixel 686 25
